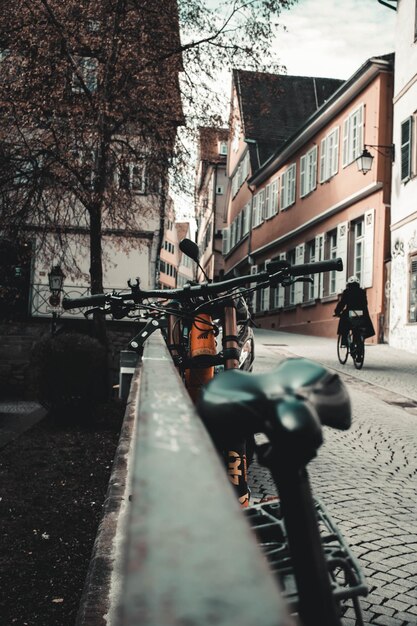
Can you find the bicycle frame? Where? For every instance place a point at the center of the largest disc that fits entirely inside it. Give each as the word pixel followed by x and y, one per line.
pixel 200 342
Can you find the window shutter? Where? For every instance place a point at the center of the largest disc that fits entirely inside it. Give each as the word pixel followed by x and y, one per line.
pixel 254 270
pixel 281 289
pixel 334 155
pixel 406 149
pixel 292 184
pixel 254 210
pixel 299 287
pixel 318 280
pixel 313 181
pixel 323 146
pixel 268 212
pixel 342 241
pixel 345 142
pixel 266 293
pixel 302 176
pixel 261 207
pixel 274 197
pixel 233 233
pixel 225 240
pixel 368 259
pixel 283 199
pixel 359 133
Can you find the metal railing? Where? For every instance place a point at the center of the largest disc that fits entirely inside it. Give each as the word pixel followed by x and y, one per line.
pixel 41 307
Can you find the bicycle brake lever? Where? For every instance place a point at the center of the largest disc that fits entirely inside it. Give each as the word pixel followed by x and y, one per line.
pixel 95 309
pixel 304 279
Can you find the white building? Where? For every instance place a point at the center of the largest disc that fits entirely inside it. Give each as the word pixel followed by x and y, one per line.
pixel 402 287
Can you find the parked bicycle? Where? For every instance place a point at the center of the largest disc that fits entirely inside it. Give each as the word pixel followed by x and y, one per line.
pixel 314 565
pixel 354 342
pixel 193 319
pixel 207 329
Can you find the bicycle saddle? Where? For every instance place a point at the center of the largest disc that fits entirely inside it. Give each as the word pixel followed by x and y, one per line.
pixel 289 404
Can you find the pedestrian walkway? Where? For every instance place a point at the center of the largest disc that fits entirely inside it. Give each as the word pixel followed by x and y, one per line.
pixel 366 476
pixel 390 369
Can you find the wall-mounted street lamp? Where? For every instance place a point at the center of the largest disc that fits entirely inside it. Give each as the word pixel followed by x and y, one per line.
pixel 365 160
pixel 56 280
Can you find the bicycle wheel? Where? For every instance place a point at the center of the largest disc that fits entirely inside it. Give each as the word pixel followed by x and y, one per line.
pixel 359 356
pixel 342 351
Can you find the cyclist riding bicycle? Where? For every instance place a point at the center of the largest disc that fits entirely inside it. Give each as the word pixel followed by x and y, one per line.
pixel 353 303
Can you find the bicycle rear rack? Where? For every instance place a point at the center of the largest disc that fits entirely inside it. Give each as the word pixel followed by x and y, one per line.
pixel 347 580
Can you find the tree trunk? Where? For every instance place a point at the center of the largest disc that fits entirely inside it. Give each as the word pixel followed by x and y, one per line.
pixel 96 270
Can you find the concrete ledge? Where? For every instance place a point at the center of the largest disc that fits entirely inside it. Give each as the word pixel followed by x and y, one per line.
pixel 178 551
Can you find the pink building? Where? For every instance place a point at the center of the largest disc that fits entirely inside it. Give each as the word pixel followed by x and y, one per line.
pixel 306 200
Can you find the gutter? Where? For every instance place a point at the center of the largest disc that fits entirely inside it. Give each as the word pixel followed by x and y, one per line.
pixel 385 4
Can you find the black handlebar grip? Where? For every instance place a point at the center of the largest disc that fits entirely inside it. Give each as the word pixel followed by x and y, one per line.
pixel 304 269
pixel 97 299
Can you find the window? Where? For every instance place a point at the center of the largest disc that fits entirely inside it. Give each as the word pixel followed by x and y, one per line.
pixel 219 190
pixel 329 155
pixel 288 187
pixel 406 128
pixel 132 176
pixel 264 299
pixel 353 136
pixel 412 297
pixel 240 174
pixel 258 208
pixel 308 172
pixel 358 248
pixel 223 147
pixel 87 69
pixel 271 199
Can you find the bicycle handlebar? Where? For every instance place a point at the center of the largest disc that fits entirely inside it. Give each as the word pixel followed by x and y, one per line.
pixel 315 268
pixel 278 271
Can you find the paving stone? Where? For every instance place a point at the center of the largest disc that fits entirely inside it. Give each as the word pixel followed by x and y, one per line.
pixel 385 620
pixel 366 476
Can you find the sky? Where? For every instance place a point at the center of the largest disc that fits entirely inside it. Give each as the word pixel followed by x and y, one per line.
pixel 326 38
pixel 333 38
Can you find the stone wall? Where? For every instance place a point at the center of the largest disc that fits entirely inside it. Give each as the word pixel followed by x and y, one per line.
pixel 18 340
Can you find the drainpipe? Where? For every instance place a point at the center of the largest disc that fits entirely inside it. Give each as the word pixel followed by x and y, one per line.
pixel 385 4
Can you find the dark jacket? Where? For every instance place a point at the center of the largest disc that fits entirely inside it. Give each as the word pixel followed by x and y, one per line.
pixel 353 299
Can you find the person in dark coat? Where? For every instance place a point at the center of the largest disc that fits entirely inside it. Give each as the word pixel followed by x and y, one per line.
pixel 353 301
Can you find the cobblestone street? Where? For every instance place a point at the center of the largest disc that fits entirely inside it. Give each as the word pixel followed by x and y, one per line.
pixel 366 476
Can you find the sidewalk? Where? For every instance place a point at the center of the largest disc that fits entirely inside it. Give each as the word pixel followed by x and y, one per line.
pixel 365 476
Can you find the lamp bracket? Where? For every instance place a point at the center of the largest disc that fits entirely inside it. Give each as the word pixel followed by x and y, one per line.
pixel 390 149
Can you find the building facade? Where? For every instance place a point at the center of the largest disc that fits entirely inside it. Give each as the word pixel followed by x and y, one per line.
pixel 308 202
pixel 90 116
pixel 402 286
pixel 211 188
